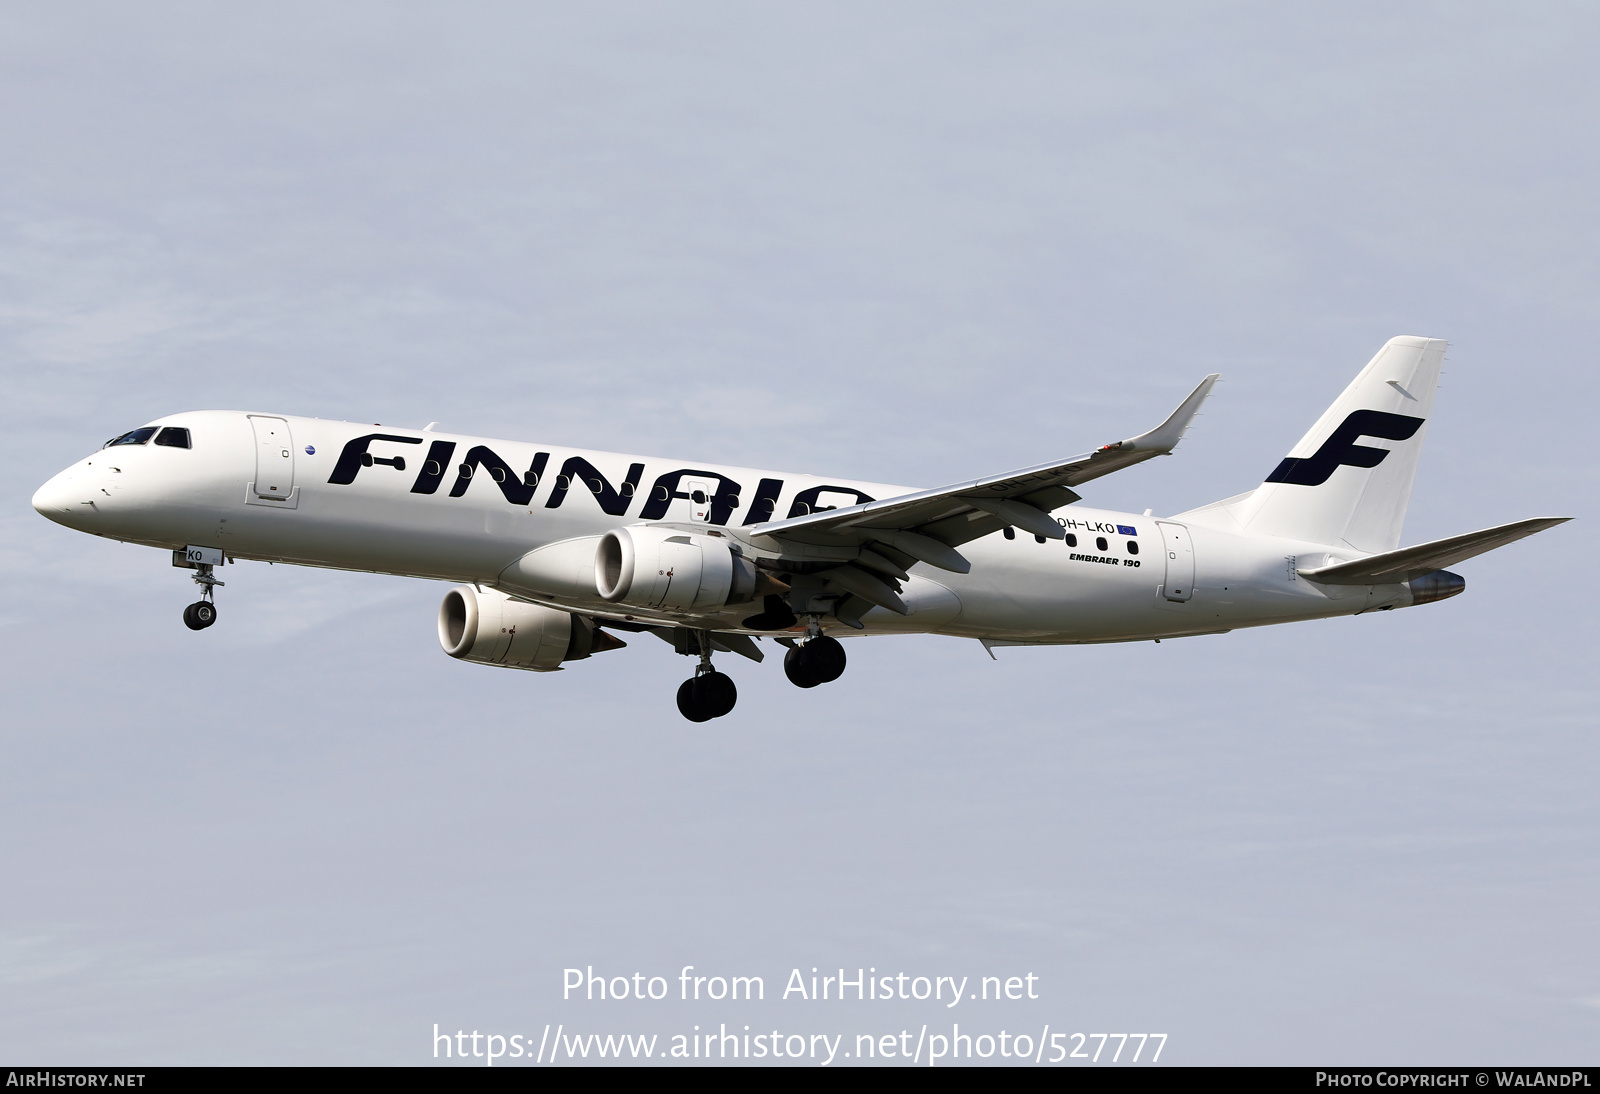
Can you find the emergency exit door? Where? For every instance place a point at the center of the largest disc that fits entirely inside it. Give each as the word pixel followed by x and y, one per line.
pixel 700 493
pixel 1179 552
pixel 274 458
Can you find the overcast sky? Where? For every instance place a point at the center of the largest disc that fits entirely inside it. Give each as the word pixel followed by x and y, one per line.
pixel 910 243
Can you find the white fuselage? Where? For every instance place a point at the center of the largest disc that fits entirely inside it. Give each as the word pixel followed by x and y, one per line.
pixel 412 512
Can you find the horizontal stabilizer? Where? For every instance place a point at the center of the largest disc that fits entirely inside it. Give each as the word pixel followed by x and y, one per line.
pixel 1424 558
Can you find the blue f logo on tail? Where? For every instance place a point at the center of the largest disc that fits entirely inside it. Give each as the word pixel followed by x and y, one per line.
pixel 1340 447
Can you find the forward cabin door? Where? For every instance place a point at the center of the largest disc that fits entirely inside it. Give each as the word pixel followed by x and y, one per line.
pixel 1179 552
pixel 274 458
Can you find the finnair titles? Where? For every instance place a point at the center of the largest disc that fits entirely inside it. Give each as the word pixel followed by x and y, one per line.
pixel 556 552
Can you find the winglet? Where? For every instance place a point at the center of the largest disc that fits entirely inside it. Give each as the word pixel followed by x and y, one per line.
pixel 1165 437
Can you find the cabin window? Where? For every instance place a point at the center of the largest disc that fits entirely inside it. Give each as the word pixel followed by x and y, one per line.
pixel 1133 547
pixel 1072 540
pixel 530 479
pixel 1100 543
pixel 1009 533
pixel 137 436
pixel 1037 538
pixel 173 437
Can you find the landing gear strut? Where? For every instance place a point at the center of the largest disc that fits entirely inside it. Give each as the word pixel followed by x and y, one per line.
pixel 709 694
pixel 818 660
pixel 203 612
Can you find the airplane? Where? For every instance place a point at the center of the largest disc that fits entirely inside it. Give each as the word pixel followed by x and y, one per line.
pixel 556 550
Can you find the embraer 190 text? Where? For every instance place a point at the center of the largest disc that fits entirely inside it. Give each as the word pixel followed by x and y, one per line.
pixel 555 549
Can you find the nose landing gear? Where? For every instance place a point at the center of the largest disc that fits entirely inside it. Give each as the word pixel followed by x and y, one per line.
pixel 203 612
pixel 709 694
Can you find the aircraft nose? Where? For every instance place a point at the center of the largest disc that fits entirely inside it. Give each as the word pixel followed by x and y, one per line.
pixel 59 499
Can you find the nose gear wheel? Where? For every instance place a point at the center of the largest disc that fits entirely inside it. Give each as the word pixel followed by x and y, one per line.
pixel 200 615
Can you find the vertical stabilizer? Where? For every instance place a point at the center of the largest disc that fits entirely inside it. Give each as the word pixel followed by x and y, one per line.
pixel 1349 479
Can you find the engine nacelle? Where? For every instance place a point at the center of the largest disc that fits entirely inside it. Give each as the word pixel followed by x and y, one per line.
pixel 490 628
pixel 1439 585
pixel 660 568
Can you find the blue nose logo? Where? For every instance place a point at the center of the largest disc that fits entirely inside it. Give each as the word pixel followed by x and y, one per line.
pixel 311 450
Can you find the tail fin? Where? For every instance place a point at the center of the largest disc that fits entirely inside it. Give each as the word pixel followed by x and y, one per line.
pixel 1332 489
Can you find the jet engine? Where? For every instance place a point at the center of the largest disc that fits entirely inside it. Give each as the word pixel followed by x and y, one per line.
pixel 660 568
pixel 490 628
pixel 1439 585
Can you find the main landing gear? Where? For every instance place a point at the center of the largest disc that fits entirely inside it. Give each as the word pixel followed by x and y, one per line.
pixel 818 660
pixel 203 612
pixel 710 694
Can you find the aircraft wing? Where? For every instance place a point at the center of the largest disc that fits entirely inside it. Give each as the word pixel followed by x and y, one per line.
pixel 951 515
pixel 1424 558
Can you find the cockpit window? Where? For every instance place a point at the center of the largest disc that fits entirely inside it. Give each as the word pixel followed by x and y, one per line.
pixel 137 436
pixel 173 437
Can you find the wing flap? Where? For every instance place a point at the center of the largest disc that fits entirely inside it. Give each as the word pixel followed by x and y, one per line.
pixel 683 639
pixel 1412 562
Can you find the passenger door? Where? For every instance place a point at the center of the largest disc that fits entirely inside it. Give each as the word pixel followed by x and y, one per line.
pixel 274 458
pixel 1179 552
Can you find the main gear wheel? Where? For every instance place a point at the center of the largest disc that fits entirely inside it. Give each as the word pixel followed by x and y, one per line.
pixel 820 660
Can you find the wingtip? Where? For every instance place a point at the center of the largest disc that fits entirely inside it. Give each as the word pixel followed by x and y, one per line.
pixel 1165 437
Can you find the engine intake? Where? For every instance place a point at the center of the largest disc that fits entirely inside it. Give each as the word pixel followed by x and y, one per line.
pixel 490 628
pixel 660 568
